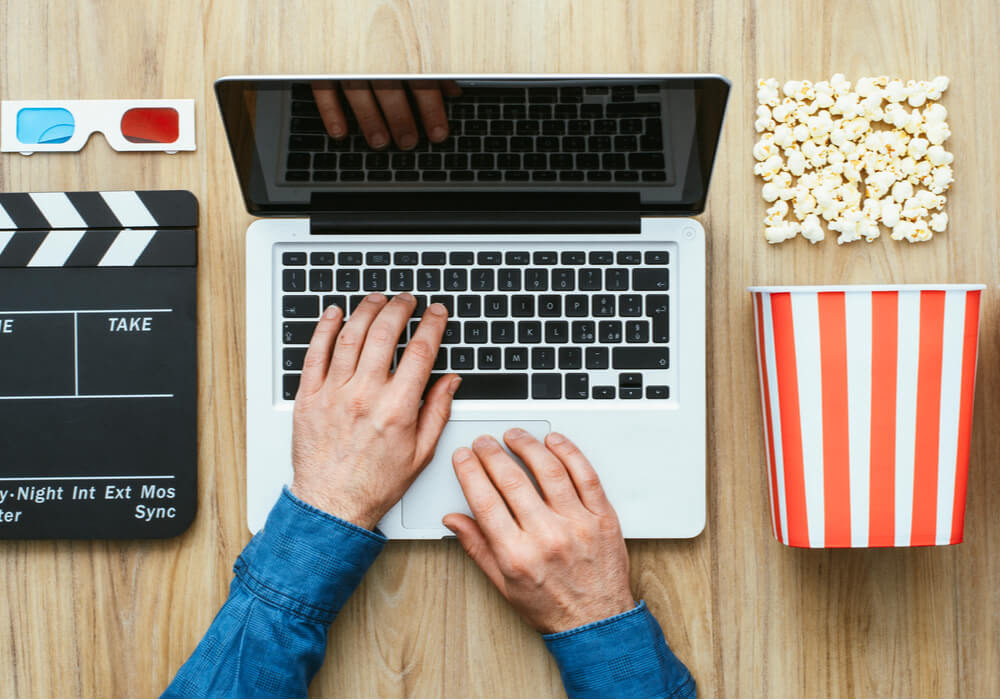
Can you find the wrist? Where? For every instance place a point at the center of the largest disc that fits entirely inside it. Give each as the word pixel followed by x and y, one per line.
pixel 353 510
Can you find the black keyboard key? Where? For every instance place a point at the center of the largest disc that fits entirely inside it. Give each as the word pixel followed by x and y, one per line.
pixel 441 361
pixel 616 279
pixel 646 161
pixel 547 144
pixel 452 333
pixel 657 257
pixel 338 300
pixel 432 258
pixel 577 305
pixel 377 258
pixel 577 386
pixel 481 280
pixel 637 109
pixel 550 305
pixel 461 257
pixel 516 358
pixel 629 257
pixel 579 127
pixel 456 279
pixel 401 280
pixel 592 111
pixel 574 257
pixel 522 144
pixel 596 358
pixel 290 386
pixel 603 392
pixel 603 305
pixel 502 332
pixel 293 259
pixel 321 280
pixel 494 144
pixel 544 175
pixel 658 309
pixel 543 358
pixel 374 280
pixel 536 279
pixel 640 358
pixel 657 392
pixel 470 306
pixel 557 331
pixel 303 142
pixel 299 306
pixel 405 258
pixel 502 127
pixel 476 127
pixel 527 127
pixel 489 176
pixel 355 301
pixel 298 161
pixel 349 259
pixel 447 300
pixel 552 127
pixel 495 306
pixel 654 279
pixel 599 144
pixel 518 257
pixel 529 332
pixel 630 393
pixel 351 161
pixel 563 279
pixel 297 332
pixel 488 358
pixel 491 257
pixel 637 331
pixel 456 161
pixel 430 161
pixel 570 176
pixel 630 305
pixel 545 257
pixel 404 161
pixel 428 279
pixel 292 359
pixel 293 280
pixel 589 279
pixel 610 331
pixel 490 386
pixel 570 358
pixel 598 176
pixel 629 379
pixel 601 257
pixel 475 332
pixel 509 280
pixel 629 126
pixel 522 305
pixel 546 386
pixel 584 332
pixel 654 176
pixel 613 161
pixel 463 358
pixel 377 161
pixel 321 259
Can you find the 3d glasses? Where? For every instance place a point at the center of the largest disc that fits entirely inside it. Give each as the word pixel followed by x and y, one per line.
pixel 29 126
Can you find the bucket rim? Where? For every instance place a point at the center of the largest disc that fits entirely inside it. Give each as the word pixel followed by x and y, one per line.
pixel 813 288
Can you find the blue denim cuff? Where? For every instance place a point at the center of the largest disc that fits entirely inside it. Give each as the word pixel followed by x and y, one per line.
pixel 622 656
pixel 305 561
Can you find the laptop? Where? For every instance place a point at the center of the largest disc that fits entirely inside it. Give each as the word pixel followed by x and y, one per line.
pixel 553 222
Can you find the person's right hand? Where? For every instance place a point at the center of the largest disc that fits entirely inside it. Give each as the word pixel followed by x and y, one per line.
pixel 559 556
pixel 370 100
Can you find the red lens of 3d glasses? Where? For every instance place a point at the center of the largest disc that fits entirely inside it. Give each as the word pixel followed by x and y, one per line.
pixel 151 125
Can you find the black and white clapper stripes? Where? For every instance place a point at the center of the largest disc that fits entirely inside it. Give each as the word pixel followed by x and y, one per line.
pixel 98 229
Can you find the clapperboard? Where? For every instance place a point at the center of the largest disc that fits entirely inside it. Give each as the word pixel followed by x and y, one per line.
pixel 98 381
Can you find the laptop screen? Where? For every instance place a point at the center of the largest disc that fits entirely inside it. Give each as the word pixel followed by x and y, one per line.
pixel 309 145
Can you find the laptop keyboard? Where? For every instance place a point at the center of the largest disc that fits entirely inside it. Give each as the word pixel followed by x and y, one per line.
pixel 541 324
pixel 595 134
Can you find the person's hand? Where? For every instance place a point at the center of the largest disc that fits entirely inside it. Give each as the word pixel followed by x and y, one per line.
pixel 371 100
pixel 360 435
pixel 559 556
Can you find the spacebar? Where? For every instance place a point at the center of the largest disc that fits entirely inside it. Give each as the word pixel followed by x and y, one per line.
pixel 490 386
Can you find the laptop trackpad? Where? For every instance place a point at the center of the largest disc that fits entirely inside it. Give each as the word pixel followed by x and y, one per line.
pixel 436 492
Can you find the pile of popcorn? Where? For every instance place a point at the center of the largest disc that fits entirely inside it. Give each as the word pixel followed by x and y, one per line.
pixel 822 145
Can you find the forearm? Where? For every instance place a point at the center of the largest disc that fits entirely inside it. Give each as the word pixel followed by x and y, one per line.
pixel 290 582
pixel 625 656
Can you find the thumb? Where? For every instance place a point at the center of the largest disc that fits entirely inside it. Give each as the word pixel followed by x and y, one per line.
pixel 434 415
pixel 474 543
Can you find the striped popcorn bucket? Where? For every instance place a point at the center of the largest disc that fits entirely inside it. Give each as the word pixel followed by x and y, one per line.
pixel 867 395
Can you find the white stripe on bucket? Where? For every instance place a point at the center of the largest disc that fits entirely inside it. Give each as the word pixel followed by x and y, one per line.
pixel 772 380
pixel 951 396
pixel 805 320
pixel 858 307
pixel 58 210
pixel 763 412
pixel 907 365
pixel 55 249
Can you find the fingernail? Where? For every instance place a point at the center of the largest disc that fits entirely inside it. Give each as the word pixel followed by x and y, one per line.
pixel 438 133
pixel 405 296
pixel 483 441
pixel 338 133
pixel 455 383
pixel 379 140
pixel 331 311
pixel 462 454
pixel 516 433
pixel 438 309
pixel 376 297
pixel 407 141
pixel 557 438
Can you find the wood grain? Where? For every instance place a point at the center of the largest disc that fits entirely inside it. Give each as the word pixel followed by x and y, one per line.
pixel 749 616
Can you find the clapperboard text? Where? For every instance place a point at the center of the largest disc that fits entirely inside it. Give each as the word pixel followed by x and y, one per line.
pixel 42 495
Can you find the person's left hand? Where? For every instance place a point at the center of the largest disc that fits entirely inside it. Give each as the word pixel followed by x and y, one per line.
pixel 360 435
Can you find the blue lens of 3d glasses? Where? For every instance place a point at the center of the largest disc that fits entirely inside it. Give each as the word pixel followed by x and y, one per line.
pixel 44 125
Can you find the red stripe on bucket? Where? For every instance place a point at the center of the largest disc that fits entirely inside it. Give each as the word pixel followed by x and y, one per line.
pixel 791 430
pixel 766 391
pixel 836 442
pixel 882 479
pixel 969 350
pixel 925 460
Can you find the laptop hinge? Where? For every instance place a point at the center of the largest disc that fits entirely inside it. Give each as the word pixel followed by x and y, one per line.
pixel 486 212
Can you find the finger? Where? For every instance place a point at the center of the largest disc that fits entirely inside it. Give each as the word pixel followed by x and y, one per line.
pixel 383 336
pixel 582 472
pixel 510 480
pixel 396 110
pixel 489 509
pixel 427 94
pixel 351 339
pixel 474 543
pixel 549 471
pixel 366 111
pixel 450 88
pixel 414 368
pixel 317 360
pixel 330 111
pixel 434 415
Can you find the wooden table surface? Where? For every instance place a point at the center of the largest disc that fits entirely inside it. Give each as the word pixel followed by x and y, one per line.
pixel 748 616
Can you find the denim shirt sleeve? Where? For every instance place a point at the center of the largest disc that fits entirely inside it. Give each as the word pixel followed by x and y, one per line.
pixel 624 656
pixel 269 638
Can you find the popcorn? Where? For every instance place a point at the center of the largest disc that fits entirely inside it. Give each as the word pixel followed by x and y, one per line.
pixel 855 158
